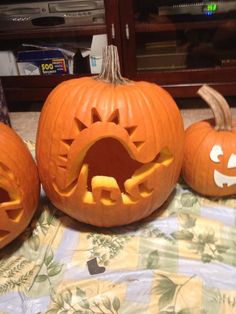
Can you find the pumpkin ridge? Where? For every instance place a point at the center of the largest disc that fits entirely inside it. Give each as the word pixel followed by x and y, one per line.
pixel 194 158
pixel 167 110
pixel 208 141
pixel 92 103
pixel 145 101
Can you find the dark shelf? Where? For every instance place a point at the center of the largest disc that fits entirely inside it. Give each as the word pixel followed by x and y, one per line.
pixel 167 25
pixel 185 83
pixel 57 32
pixel 191 76
pixel 31 88
pixel 180 83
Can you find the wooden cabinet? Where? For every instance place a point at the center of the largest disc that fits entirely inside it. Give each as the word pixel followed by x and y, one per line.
pixel 179 55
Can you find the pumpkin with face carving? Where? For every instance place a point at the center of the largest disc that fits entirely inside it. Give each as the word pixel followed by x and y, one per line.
pixel 109 150
pixel 19 185
pixel 209 164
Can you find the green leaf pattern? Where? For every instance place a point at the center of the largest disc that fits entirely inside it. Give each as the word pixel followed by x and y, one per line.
pixel 168 292
pixel 203 242
pixel 30 263
pixel 106 247
pixel 49 268
pixel 16 273
pixel 76 301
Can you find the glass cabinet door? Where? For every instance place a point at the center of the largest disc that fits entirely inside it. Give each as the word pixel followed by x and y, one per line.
pixel 172 35
pixel 180 41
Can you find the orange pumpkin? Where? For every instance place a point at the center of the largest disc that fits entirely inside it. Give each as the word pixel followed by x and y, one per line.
pixel 109 150
pixel 19 185
pixel 209 164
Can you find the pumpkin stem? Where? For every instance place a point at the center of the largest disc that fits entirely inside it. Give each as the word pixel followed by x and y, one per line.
pixel 219 107
pixel 110 71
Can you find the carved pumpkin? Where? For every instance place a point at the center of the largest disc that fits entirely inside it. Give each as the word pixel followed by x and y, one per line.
pixel 209 164
pixel 109 150
pixel 19 185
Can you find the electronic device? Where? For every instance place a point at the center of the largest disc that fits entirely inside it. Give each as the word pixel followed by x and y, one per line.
pixel 26 15
pixel 204 7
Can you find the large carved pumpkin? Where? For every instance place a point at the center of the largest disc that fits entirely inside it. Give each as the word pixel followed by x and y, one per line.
pixel 209 164
pixel 19 185
pixel 109 150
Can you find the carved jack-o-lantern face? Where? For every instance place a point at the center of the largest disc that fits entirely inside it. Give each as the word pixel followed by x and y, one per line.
pixel 221 179
pixel 209 164
pixel 19 185
pixel 109 154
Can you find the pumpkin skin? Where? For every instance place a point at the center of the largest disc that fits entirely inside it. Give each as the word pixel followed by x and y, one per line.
pixel 19 185
pixel 109 151
pixel 209 165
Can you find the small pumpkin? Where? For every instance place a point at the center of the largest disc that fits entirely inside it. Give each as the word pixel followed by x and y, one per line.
pixel 209 165
pixel 19 185
pixel 109 150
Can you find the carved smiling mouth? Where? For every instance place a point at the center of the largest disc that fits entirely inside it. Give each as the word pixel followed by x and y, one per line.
pixel 222 179
pixel 108 174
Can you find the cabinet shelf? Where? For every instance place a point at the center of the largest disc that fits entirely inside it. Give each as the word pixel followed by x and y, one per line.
pixel 57 32
pixel 181 83
pixel 31 88
pixel 167 25
pixel 185 83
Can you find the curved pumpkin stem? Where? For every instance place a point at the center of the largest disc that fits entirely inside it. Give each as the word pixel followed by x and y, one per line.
pixel 110 71
pixel 219 107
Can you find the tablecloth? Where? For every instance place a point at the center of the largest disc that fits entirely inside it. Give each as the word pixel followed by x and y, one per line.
pixel 180 260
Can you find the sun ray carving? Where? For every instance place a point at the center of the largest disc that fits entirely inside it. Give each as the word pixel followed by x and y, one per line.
pixel 80 125
pixel 63 157
pixel 139 144
pixel 68 142
pixel 95 116
pixel 131 130
pixel 114 117
pixel 62 166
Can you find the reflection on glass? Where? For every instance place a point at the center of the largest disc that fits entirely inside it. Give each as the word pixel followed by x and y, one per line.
pixel 185 34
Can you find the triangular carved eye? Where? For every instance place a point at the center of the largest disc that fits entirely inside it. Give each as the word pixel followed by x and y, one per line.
pixel 80 125
pixel 95 115
pixel 115 117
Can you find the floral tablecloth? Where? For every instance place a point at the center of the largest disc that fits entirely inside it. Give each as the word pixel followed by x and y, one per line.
pixel 182 259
